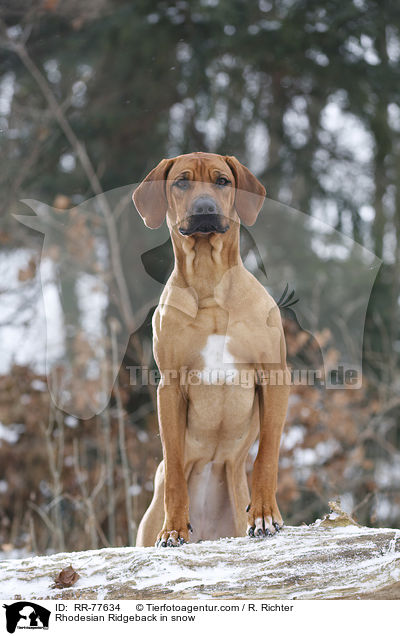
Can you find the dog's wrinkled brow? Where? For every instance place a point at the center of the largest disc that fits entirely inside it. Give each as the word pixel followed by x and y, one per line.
pixel 185 174
pixel 199 170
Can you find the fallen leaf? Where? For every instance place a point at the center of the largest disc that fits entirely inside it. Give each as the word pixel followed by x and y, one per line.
pixel 66 577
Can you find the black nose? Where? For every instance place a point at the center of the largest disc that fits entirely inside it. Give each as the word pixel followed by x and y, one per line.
pixel 204 205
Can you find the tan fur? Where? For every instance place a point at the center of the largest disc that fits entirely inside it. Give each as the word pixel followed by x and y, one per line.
pixel 207 429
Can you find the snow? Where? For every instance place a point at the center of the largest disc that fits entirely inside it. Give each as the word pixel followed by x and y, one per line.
pixel 39 385
pixel 71 421
pixel 298 563
pixel 292 436
pixel 135 490
pixel 387 473
pixel 11 433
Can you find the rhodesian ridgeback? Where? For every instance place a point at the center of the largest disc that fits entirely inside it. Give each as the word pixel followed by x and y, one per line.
pixel 219 346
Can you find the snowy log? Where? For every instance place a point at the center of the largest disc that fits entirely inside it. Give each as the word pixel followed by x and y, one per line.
pixel 330 559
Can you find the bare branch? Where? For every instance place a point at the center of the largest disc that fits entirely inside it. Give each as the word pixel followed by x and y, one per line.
pixel 122 442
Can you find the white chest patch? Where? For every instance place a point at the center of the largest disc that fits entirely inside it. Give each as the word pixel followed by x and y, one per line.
pixel 218 362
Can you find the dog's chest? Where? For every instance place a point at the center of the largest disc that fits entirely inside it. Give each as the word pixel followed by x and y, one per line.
pixel 221 395
pixel 218 361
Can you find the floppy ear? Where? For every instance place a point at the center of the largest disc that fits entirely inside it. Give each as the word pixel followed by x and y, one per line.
pixel 150 198
pixel 250 192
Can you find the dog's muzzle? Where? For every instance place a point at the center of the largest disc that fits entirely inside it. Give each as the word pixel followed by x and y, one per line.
pixel 205 224
pixel 204 217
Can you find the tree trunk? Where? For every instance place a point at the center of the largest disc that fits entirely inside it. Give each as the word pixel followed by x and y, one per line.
pixel 322 561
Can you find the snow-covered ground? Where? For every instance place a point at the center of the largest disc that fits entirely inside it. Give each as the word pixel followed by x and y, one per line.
pixel 307 562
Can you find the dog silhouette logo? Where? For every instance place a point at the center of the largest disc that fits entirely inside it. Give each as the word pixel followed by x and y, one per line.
pixel 101 287
pixel 26 615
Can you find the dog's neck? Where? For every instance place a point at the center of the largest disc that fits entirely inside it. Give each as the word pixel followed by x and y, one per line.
pixel 202 261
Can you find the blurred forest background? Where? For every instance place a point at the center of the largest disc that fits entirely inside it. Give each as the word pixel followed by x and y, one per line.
pixel 92 95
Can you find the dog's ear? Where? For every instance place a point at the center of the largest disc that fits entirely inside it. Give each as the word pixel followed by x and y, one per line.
pixel 250 192
pixel 150 197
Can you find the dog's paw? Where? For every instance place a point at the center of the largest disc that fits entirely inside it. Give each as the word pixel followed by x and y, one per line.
pixel 263 520
pixel 173 538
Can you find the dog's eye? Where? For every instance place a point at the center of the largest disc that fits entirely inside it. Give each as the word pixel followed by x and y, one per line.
pixel 222 181
pixel 182 184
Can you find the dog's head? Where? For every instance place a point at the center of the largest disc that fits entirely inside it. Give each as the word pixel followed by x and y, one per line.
pixel 201 193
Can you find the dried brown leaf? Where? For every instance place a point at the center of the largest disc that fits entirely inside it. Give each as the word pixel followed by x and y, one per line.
pixel 66 578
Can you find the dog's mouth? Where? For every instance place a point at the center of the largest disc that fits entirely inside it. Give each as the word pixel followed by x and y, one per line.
pixel 205 224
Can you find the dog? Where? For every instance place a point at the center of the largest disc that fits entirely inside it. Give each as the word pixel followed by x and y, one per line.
pixel 219 345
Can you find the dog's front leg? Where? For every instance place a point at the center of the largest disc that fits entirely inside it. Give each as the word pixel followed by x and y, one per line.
pixel 172 414
pixel 264 517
